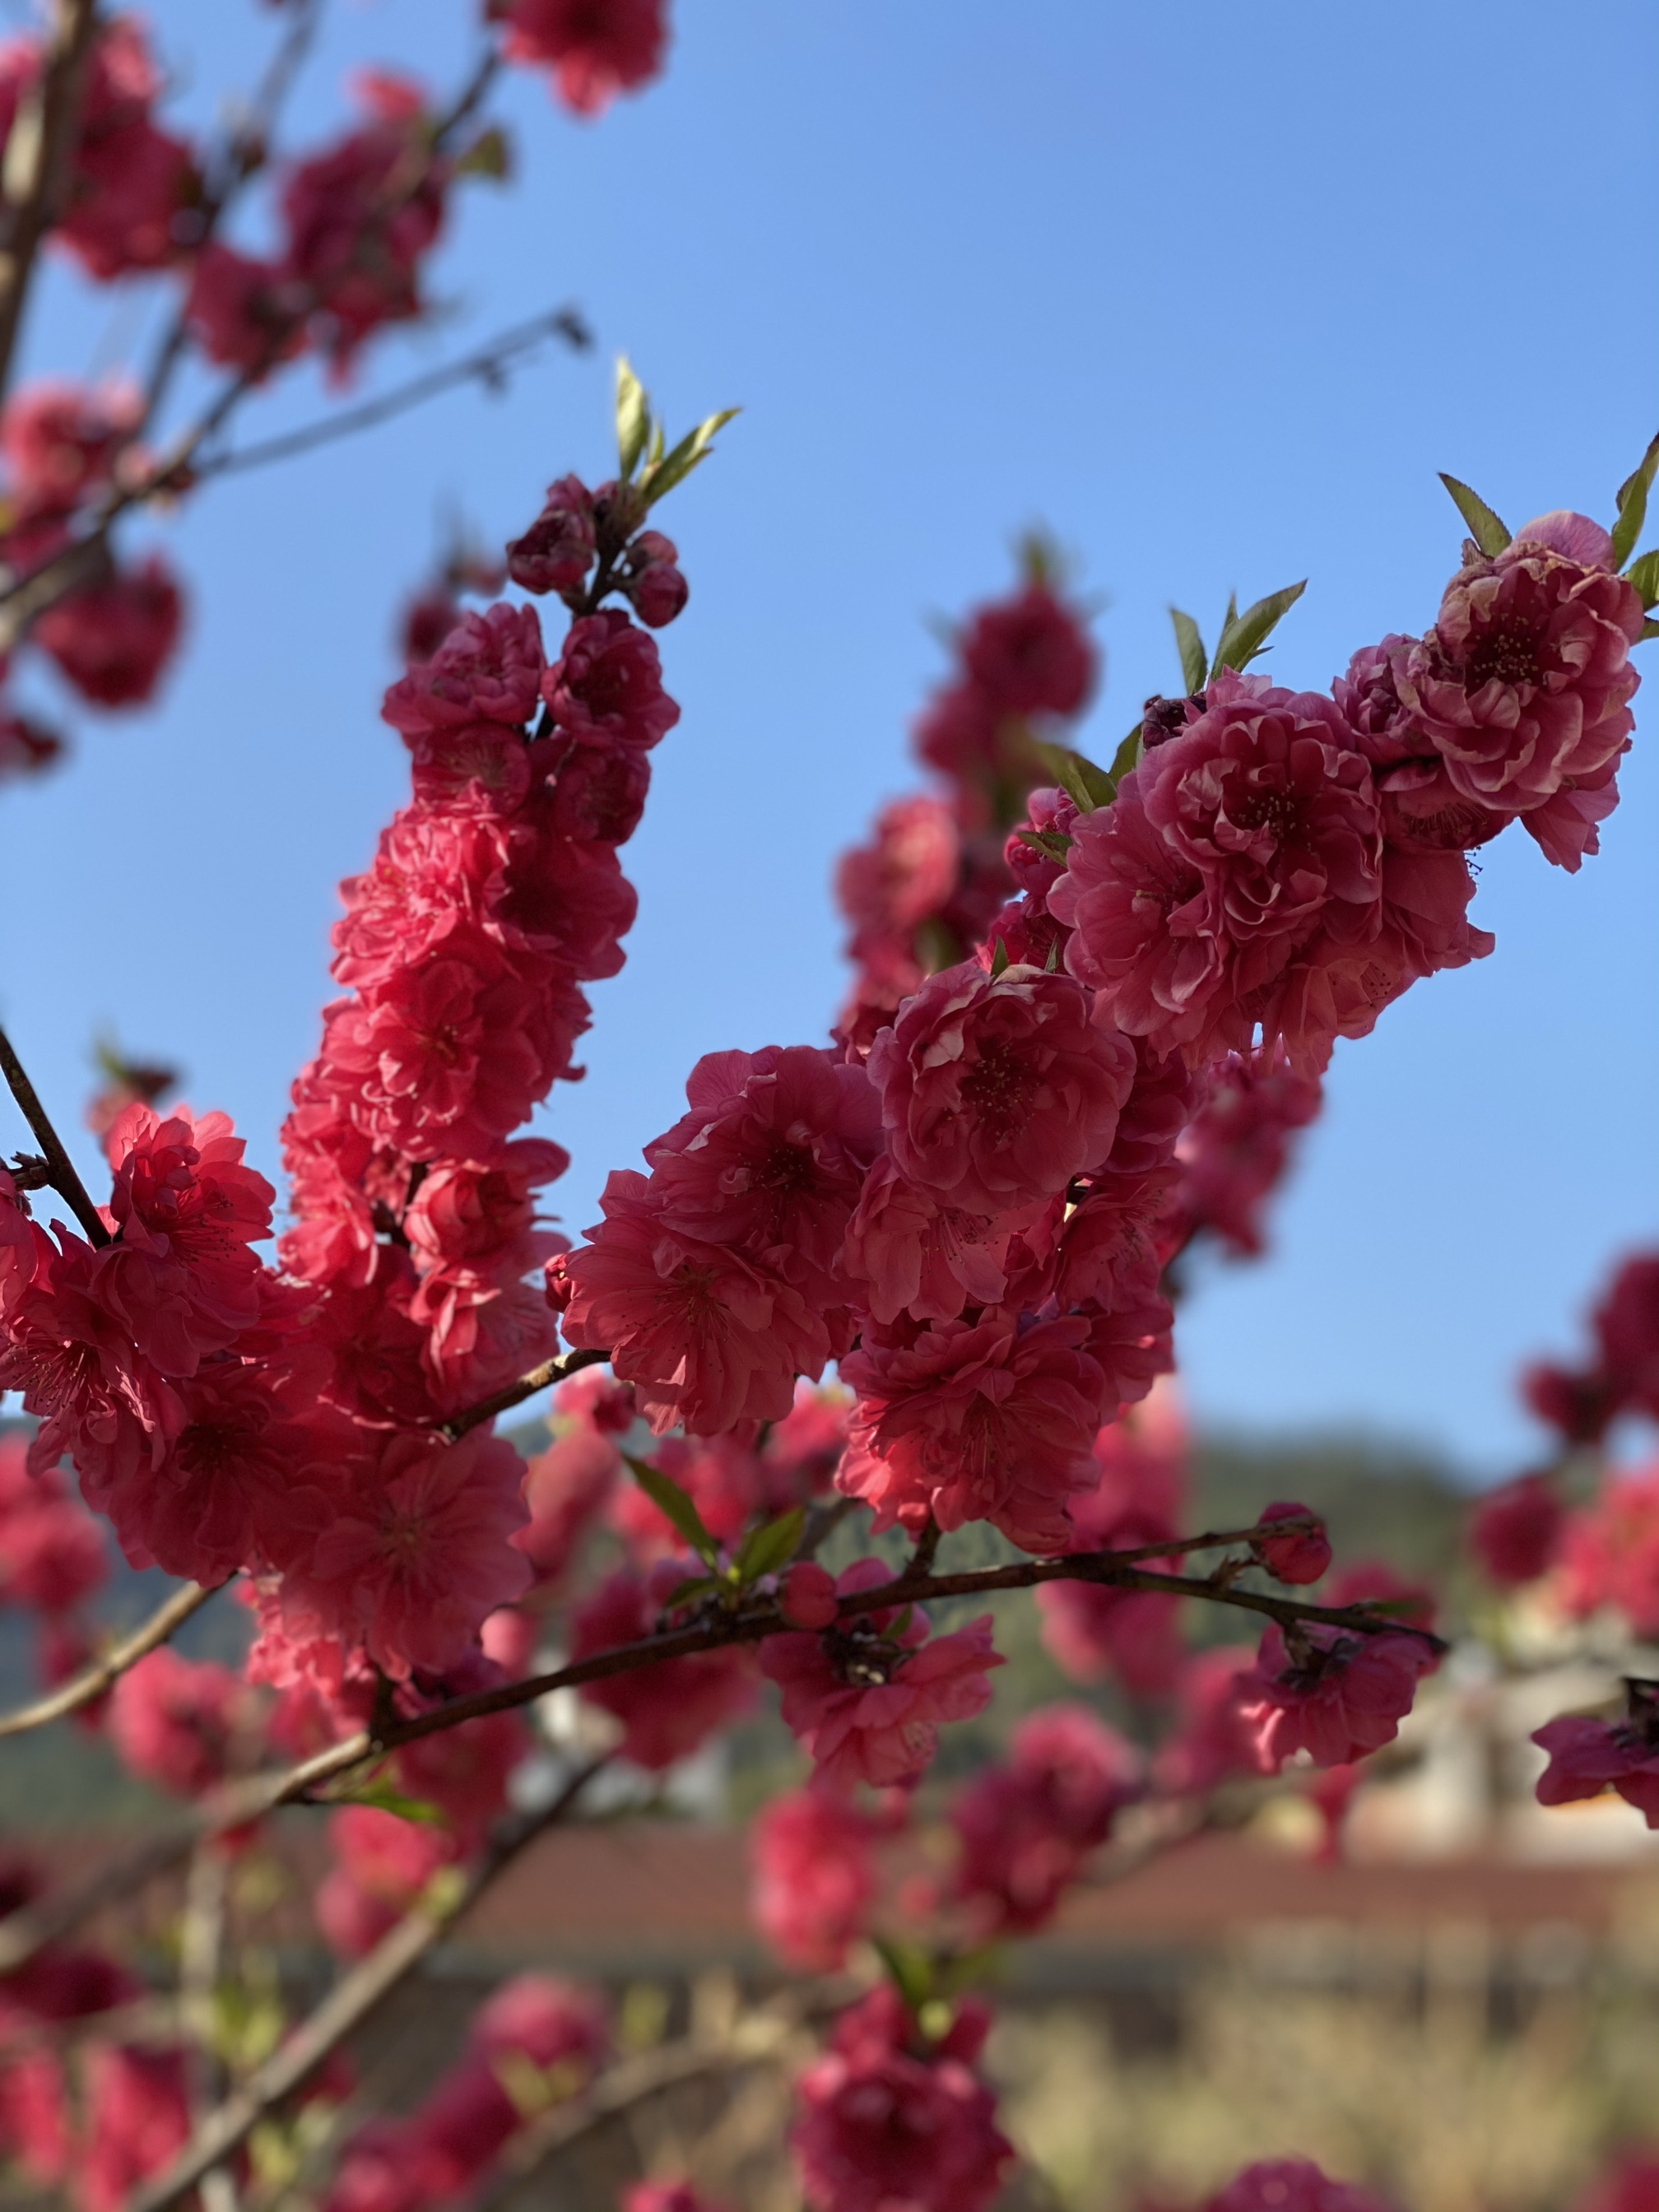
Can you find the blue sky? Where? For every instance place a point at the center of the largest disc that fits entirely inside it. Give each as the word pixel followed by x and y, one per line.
pixel 1211 292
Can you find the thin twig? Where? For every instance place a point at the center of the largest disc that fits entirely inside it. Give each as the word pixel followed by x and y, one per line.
pixel 26 1933
pixel 242 155
pixel 86 1688
pixel 250 1800
pixel 764 2034
pixel 39 151
pixel 348 2005
pixel 550 1370
pixel 65 1179
pixel 484 366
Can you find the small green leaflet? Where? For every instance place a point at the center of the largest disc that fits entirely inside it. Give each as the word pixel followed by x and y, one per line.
pixel 1648 629
pixel 1245 636
pixel 674 467
pixel 998 959
pixel 1127 757
pixel 910 1967
pixel 766 1549
pixel 633 417
pixel 487 156
pixel 671 1501
pixel 1081 781
pixel 1645 575
pixel 385 1799
pixel 1190 646
pixel 1633 506
pixel 1487 532
pixel 1054 844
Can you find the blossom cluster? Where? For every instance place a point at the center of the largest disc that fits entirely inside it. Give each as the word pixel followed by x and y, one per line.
pixel 921 893
pixel 356 220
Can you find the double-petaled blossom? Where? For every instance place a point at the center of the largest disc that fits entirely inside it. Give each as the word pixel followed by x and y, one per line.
pixel 1334 1694
pixel 708 1335
pixel 983 1420
pixel 409 1551
pixel 1609 1550
pixel 178 1721
pixel 1234 1149
pixel 1588 1756
pixel 667 1710
pixel 52 1550
pixel 770 1161
pixel 1026 1826
pixel 996 1090
pixel 814 1874
pixel 359 218
pixel 593 52
pixel 381 1866
pixel 1522 687
pixel 887 2117
pixel 1515 1529
pixel 866 1696
pixel 1236 879
pixel 111 639
pixel 1291 2185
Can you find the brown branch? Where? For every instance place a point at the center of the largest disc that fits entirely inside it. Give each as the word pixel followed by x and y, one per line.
pixel 36 165
pixel 29 1931
pixel 250 1800
pixel 489 362
pixel 502 1401
pixel 61 1168
pixel 763 2035
pixel 348 2005
pixel 69 1696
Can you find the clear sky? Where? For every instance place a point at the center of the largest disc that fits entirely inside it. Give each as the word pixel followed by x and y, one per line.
pixel 1213 293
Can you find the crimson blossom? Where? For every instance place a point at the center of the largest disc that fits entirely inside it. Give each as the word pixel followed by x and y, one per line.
pixel 888 2118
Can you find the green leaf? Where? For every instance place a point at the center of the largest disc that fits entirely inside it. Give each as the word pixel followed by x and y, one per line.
pixel 1089 785
pixel 1488 532
pixel 385 1799
pixel 1054 844
pixel 1051 963
pixel 1648 629
pixel 1645 575
pixel 1245 636
pixel 489 156
pixel 998 959
pixel 910 1967
pixel 671 1501
pixel 1127 757
pixel 765 1549
pixel 633 417
pixel 1190 646
pixel 674 467
pixel 693 1586
pixel 1633 506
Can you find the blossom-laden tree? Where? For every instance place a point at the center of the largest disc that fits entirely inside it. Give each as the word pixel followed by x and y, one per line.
pixel 1090 1007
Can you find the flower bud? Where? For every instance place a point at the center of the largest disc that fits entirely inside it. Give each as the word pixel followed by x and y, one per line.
pixel 556 551
pixel 1300 1556
pixel 807 1595
pixel 655 585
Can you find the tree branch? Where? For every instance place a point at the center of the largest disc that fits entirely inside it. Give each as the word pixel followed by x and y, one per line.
pixel 489 362
pixel 502 1401
pixel 764 2034
pixel 347 2006
pixel 86 1687
pixel 65 1179
pixel 38 153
